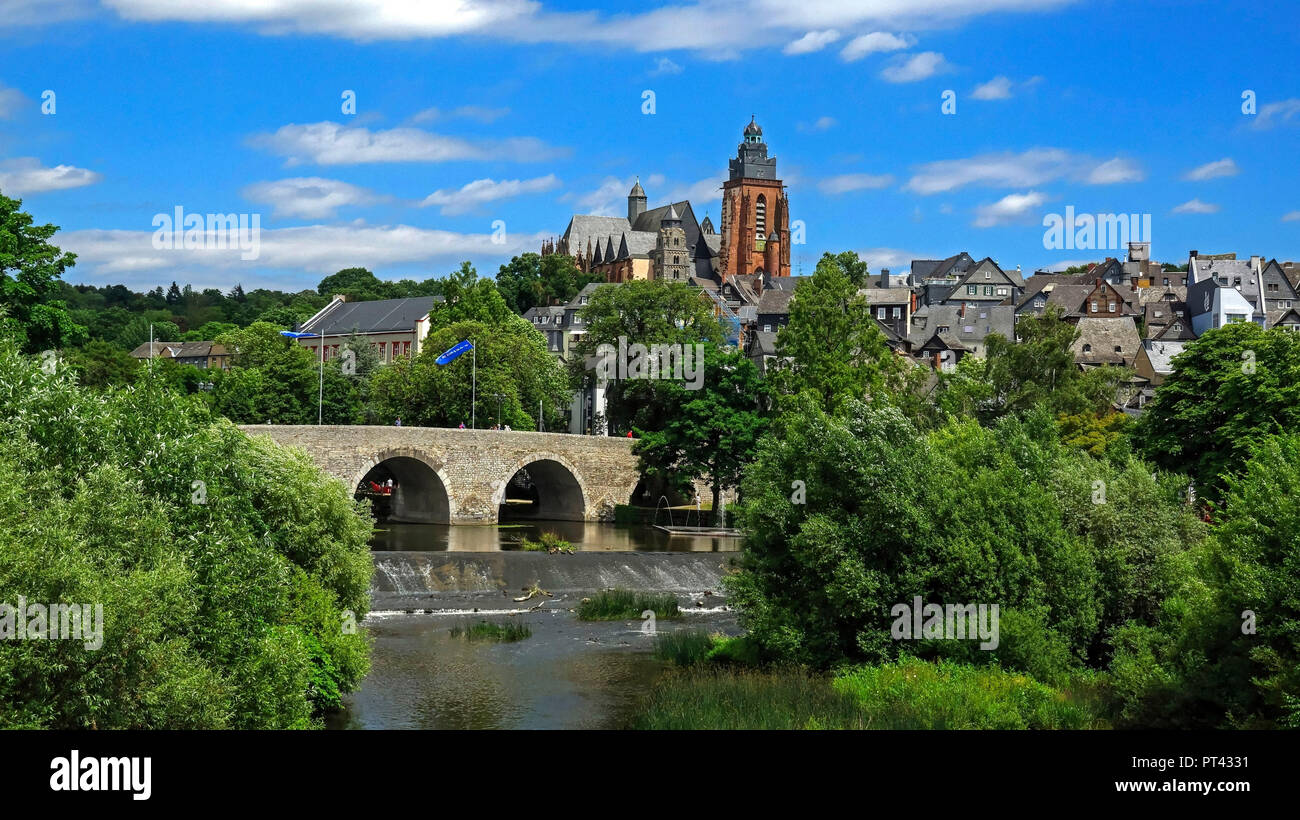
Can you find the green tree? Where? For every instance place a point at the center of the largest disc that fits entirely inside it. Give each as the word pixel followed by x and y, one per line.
pixel 230 571
pixel 1230 389
pixel 647 312
pixel 1037 370
pixel 469 298
pixel 837 353
pixel 30 281
pixel 357 284
pixel 531 279
pixel 512 361
pixel 711 433
pixel 100 364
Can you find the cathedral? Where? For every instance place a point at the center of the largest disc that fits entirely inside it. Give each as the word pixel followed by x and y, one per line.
pixel 669 242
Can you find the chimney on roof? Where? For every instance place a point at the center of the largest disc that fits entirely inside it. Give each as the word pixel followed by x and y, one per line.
pixel 1194 254
pixel 340 297
pixel 962 312
pixel 1254 261
pixel 884 277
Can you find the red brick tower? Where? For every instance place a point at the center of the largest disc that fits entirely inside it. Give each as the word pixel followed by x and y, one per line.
pixel 755 213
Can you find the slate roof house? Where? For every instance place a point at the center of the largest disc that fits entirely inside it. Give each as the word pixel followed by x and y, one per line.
pixel 1220 291
pixel 1155 359
pixel 203 355
pixel 1110 340
pixel 393 327
pixel 960 329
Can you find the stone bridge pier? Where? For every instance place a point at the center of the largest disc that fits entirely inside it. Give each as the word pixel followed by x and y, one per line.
pixel 461 476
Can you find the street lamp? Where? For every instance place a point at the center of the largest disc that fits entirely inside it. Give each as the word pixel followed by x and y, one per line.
pixel 499 397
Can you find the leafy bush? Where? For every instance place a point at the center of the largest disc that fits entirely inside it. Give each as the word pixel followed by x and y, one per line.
pixel 226 603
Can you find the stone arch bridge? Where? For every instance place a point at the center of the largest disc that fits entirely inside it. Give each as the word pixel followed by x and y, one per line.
pixel 460 476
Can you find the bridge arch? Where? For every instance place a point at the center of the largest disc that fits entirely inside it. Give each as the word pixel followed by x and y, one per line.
pixel 559 492
pixel 422 492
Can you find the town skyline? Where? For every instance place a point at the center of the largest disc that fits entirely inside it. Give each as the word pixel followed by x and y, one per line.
pixel 465 143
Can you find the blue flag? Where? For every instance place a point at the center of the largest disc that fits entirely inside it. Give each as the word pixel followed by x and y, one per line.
pixel 455 352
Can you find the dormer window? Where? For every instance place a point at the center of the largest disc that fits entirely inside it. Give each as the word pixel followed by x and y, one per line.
pixel 1087 348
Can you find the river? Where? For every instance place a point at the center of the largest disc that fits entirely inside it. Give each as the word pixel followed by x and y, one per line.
pixel 568 674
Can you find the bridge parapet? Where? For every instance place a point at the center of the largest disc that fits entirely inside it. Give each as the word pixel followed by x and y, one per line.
pixel 472 466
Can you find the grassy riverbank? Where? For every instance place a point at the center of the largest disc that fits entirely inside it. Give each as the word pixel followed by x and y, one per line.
pixel 710 689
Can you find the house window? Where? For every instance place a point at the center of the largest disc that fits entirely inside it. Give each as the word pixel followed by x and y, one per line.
pixel 1110 307
pixel 898 313
pixel 988 290
pixel 1166 281
pixel 1117 349
pixel 988 274
pixel 972 290
pixel 1002 291
pixel 383 351
pixel 1094 305
pixel 1176 328
pixel 944 328
pixel 767 328
pixel 880 314
pixel 1087 348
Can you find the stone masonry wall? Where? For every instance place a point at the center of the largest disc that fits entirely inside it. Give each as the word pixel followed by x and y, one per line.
pixel 473 465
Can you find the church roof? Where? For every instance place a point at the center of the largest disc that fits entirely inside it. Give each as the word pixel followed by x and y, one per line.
pixel 639 243
pixel 637 190
pixel 584 227
pixel 753 129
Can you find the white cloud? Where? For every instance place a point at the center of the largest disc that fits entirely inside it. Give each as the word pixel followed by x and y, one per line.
pixel 1294 216
pixel 846 183
pixel 11 100
pixel 915 67
pixel 1002 87
pixel 1211 170
pixel 817 126
pixel 482 191
pixel 1010 209
pixel 316 249
pixel 896 259
pixel 873 43
pixel 328 143
pixel 610 199
pixel 1196 206
pixel 665 66
pixel 1033 167
pixel 711 27
pixel 1283 111
pixel 26 175
pixel 308 197
pixel 812 41
pixel 1114 171
pixel 478 113
pixel 998 88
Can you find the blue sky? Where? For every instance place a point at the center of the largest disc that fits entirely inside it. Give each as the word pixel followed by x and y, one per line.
pixel 470 112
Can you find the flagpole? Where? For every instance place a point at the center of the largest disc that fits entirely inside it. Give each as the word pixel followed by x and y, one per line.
pixel 473 396
pixel 320 398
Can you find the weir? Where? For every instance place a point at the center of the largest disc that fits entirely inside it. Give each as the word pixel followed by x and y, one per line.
pixel 437 580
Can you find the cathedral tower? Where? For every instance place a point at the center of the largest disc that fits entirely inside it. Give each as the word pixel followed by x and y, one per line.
pixel 755 213
pixel 671 258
